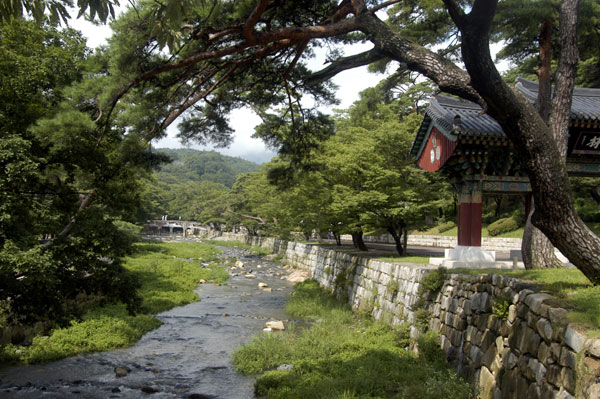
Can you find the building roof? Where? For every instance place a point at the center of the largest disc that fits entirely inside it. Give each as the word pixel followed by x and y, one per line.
pixel 586 102
pixel 453 116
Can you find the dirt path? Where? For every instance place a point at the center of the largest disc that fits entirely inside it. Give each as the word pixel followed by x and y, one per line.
pixel 187 357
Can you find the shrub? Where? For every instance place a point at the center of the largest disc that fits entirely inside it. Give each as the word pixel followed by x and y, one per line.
pixel 422 317
pixel 446 226
pixel 502 226
pixel 429 348
pixel 500 306
pixel 432 281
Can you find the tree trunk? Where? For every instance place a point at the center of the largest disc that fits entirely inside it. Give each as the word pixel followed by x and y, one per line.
pixel 338 239
pixel 536 248
pixel 397 240
pixel 357 240
pixel 498 200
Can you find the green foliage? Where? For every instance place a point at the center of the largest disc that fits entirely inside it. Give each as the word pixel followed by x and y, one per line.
pixel 409 259
pixel 446 226
pixel 310 302
pixel 500 306
pixel 433 281
pixel 57 10
pixel 392 288
pixel 169 272
pixel 190 165
pixel 101 329
pixel 502 226
pixel 342 357
pixel 421 319
pixel 429 347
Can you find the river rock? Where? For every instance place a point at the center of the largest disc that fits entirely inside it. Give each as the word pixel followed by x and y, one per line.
pixel 263 285
pixel 250 276
pixel 122 371
pixel 148 389
pixel 298 276
pixel 239 264
pixel 275 325
pixel 270 257
pixel 269 290
pixel 202 281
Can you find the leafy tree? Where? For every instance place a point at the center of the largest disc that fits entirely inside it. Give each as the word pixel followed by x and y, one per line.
pixel 66 181
pixel 372 176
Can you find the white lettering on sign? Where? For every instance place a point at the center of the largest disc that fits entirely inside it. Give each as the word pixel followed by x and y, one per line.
pixel 594 142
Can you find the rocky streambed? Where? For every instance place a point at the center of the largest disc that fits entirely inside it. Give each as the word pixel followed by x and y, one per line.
pixel 187 357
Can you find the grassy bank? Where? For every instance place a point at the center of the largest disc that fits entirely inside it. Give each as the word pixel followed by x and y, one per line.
pixel 571 288
pixel 344 356
pixel 168 274
pixel 423 260
pixel 255 250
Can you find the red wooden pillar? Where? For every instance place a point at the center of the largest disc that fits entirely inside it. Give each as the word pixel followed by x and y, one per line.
pixel 476 216
pixel 469 216
pixel 464 215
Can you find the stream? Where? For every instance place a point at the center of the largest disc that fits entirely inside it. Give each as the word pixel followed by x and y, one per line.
pixel 189 356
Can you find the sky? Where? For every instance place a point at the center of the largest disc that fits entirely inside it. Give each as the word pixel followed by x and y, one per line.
pixel 350 83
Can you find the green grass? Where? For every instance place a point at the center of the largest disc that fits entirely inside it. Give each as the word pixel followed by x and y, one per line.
pixel 409 259
pixel 257 251
pixel 572 289
pixel 343 356
pixel 453 232
pixel 166 280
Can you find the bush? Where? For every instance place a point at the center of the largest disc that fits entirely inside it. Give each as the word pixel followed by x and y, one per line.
pixel 446 226
pixel 502 226
pixel 432 281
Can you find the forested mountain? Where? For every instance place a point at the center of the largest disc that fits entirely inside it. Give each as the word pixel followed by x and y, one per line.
pixel 198 166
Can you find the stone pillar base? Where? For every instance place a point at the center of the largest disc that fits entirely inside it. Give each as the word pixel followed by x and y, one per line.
pixel 467 257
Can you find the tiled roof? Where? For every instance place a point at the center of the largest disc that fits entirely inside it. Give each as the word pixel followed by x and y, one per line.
pixel 453 116
pixel 586 102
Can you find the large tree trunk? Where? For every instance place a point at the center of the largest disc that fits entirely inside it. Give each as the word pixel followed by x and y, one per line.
pixel 533 141
pixel 357 240
pixel 536 248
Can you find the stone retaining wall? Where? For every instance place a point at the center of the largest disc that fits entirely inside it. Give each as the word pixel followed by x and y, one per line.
pixel 488 243
pixel 525 348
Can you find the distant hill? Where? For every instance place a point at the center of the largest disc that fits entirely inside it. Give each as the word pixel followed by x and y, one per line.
pixel 195 165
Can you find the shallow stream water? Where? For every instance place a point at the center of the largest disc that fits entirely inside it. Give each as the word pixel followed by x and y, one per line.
pixel 189 356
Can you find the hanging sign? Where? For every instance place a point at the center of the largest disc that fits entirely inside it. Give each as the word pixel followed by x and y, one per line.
pixel 587 143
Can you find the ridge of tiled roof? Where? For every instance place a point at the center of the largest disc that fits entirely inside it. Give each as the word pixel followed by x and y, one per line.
pixel 586 101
